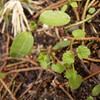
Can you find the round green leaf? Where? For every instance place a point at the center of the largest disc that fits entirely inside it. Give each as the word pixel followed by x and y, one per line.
pixel 70 72
pixel 96 90
pixel 68 57
pixel 91 10
pixel 2 75
pixel 54 18
pixel 90 98
pixel 83 52
pixel 78 33
pixel 60 44
pixel 44 64
pixel 75 81
pixel 74 4
pixel 22 45
pixel 57 68
pixel 67 65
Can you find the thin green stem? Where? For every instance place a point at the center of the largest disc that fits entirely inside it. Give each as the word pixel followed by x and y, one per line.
pixel 73 69
pixel 78 23
pixel 71 47
pixel 58 61
pixel 89 43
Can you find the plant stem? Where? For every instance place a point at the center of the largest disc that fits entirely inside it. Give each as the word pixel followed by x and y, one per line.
pixel 58 61
pixel 84 13
pixel 78 23
pixel 71 47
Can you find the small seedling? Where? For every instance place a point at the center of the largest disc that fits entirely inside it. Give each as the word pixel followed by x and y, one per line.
pixel 33 25
pixel 44 60
pixel 23 44
pixel 90 11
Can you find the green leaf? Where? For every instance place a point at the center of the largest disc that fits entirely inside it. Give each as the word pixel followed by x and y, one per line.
pixel 42 57
pixel 87 16
pixel 2 75
pixel 83 52
pixel 22 45
pixel 78 33
pixel 57 68
pixel 64 8
pixel 74 4
pixel 70 72
pixel 67 65
pixel 68 57
pixel 61 44
pixel 96 90
pixel 33 25
pixel 91 10
pixel 44 64
pixel 90 98
pixel 54 18
pixel 75 81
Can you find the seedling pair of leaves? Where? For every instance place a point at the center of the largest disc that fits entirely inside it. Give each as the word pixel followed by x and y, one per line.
pixel 90 12
pixel 74 79
pixel 95 92
pixel 72 3
pixel 44 60
pixel 83 51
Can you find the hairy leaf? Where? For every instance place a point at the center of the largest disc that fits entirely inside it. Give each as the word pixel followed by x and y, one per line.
pixel 75 81
pixel 96 90
pixel 68 57
pixel 83 52
pixel 70 72
pixel 54 18
pixel 78 33
pixel 57 68
pixel 22 45
pixel 60 44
